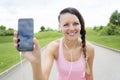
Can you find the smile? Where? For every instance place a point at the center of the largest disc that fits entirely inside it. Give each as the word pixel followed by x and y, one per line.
pixel 72 33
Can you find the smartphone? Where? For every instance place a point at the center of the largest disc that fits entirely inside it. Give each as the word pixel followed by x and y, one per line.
pixel 25 34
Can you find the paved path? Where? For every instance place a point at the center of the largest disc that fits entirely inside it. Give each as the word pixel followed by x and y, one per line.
pixel 106 67
pixel 106 64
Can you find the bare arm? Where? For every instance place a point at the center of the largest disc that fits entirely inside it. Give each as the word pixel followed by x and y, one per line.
pixel 49 56
pixel 90 53
pixel 37 71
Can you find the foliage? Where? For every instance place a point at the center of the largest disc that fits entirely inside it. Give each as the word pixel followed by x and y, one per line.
pixel 4 32
pixel 115 18
pixel 9 32
pixel 111 29
pixel 42 28
pixel 2 28
pixel 98 28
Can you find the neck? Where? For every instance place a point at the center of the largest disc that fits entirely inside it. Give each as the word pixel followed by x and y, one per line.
pixel 71 44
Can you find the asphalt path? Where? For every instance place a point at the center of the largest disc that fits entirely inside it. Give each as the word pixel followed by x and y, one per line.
pixel 106 67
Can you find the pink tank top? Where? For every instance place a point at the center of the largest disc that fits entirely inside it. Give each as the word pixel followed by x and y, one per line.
pixel 63 67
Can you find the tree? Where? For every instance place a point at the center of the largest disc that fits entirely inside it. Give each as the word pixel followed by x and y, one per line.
pixel 2 28
pixel 4 32
pixel 42 28
pixel 115 18
pixel 9 32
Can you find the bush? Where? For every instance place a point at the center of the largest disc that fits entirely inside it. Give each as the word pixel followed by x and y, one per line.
pixel 2 33
pixel 111 29
pixel 8 32
pixel 97 28
pixel 103 31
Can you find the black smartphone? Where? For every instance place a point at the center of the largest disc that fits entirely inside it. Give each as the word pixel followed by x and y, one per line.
pixel 25 34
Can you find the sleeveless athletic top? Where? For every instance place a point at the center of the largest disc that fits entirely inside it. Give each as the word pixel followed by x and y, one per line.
pixel 65 72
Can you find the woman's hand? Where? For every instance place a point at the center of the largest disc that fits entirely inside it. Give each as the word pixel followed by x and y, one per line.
pixel 32 56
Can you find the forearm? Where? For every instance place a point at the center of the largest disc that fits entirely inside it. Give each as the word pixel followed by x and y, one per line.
pixel 37 68
pixel 89 77
pixel 37 71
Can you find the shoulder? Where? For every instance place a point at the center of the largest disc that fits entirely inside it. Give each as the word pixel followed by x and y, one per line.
pixel 54 44
pixel 89 49
pixel 52 48
pixel 89 46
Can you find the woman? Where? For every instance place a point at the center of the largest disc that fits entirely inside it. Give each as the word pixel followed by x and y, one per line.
pixel 73 55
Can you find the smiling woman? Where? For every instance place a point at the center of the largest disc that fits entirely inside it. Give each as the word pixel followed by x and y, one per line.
pixel 73 55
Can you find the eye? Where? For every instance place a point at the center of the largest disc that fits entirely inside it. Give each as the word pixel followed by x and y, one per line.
pixel 75 23
pixel 66 25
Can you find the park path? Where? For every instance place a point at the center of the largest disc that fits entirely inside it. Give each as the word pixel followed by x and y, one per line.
pixel 106 67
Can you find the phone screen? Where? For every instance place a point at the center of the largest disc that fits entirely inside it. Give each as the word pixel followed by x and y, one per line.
pixel 25 34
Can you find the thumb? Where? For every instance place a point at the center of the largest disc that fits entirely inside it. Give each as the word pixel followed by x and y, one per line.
pixel 36 44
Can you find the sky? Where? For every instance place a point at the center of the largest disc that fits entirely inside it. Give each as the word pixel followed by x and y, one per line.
pixel 45 12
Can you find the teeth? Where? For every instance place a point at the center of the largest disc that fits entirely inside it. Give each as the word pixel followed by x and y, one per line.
pixel 73 33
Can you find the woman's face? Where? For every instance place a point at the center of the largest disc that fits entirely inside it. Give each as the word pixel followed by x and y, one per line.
pixel 70 26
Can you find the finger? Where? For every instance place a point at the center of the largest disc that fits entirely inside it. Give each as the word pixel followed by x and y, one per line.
pixel 15 40
pixel 35 41
pixel 16 45
pixel 15 34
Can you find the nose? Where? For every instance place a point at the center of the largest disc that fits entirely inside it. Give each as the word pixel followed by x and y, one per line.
pixel 71 27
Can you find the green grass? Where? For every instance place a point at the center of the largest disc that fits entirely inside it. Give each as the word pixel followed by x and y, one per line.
pixel 10 56
pixel 46 37
pixel 6 39
pixel 109 41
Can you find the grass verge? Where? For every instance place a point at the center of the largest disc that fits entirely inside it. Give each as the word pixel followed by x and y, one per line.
pixel 109 41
